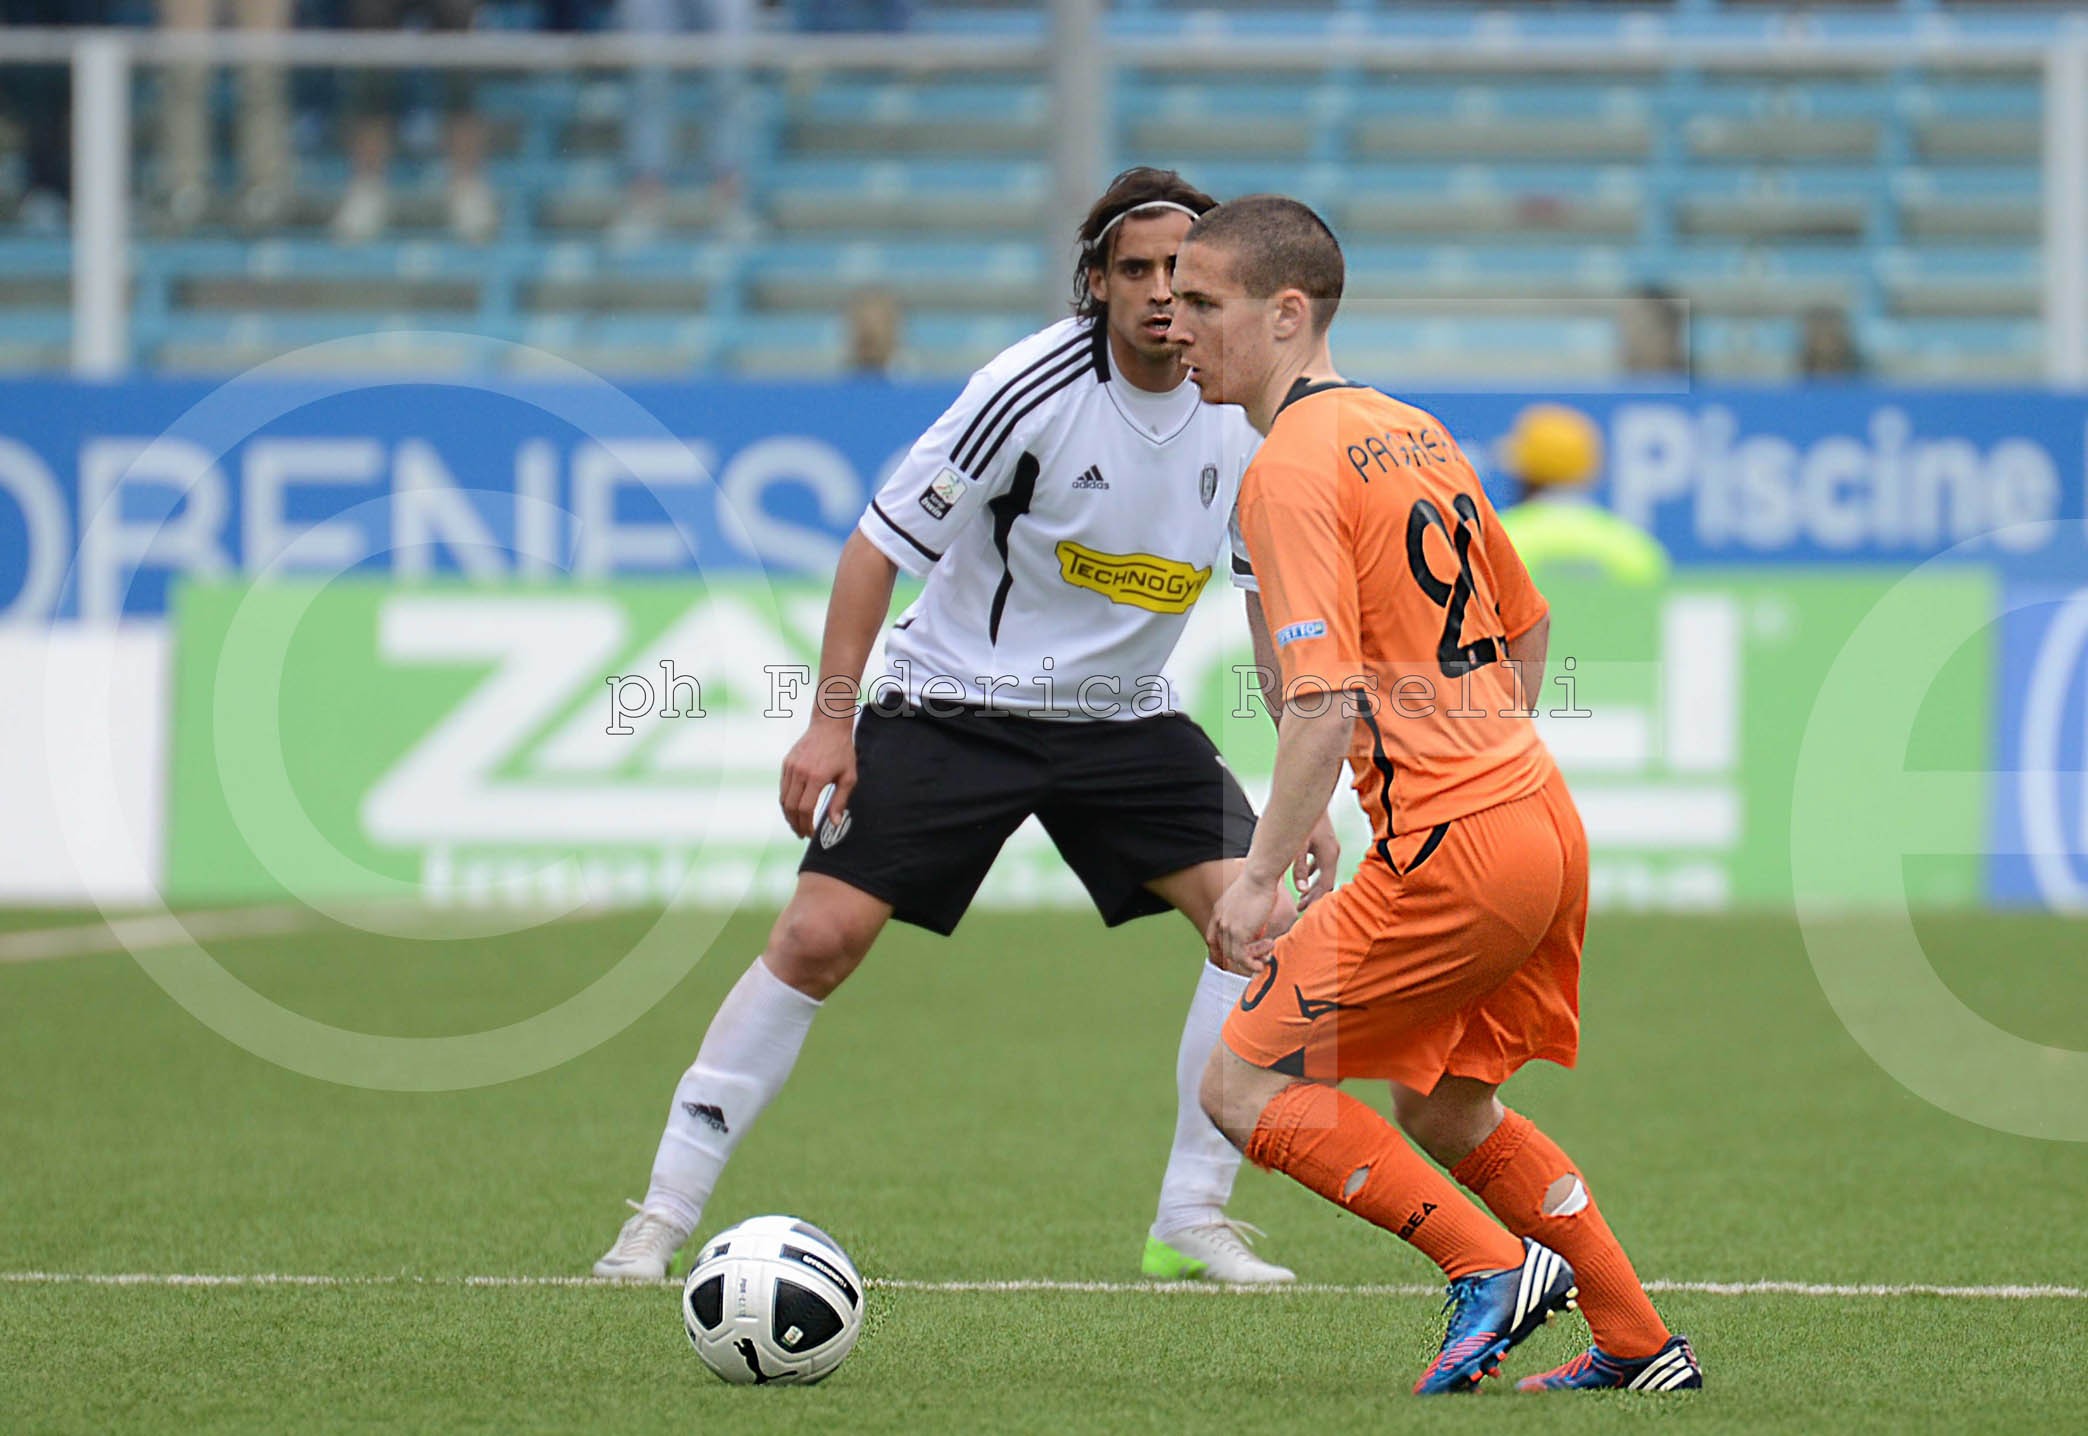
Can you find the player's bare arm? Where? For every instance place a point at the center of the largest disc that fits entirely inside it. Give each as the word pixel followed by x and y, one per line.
pixel 1312 870
pixel 1526 653
pixel 1311 747
pixel 856 609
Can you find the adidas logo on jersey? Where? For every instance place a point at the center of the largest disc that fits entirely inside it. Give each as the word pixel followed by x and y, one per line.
pixel 1091 478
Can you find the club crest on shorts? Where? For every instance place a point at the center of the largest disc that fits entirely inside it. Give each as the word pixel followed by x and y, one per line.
pixel 1207 484
pixel 831 830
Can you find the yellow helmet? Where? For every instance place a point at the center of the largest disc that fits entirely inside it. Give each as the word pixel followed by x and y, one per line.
pixel 1552 444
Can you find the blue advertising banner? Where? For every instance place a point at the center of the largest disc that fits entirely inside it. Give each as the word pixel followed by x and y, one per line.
pixel 2040 773
pixel 107 492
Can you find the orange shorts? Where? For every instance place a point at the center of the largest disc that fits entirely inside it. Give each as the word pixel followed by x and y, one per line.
pixel 1463 963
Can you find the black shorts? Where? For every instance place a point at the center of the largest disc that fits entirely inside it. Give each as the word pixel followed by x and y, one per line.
pixel 937 794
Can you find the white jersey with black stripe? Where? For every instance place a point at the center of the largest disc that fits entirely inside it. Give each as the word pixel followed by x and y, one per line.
pixel 1066 522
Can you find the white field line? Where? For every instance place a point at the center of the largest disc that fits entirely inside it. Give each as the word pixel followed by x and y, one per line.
pixel 149 932
pixel 1831 1290
pixel 91 939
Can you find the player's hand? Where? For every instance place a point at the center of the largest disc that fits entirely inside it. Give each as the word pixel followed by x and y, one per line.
pixel 1238 936
pixel 1283 916
pixel 824 755
pixel 1313 872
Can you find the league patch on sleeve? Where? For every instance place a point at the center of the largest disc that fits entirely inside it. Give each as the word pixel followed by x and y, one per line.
pixel 1308 628
pixel 942 493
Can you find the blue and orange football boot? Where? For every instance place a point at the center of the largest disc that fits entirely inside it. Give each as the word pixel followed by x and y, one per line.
pixel 1672 1368
pixel 1491 1312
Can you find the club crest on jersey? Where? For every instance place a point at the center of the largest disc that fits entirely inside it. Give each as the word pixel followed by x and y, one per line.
pixel 1207 484
pixel 1291 632
pixel 1142 580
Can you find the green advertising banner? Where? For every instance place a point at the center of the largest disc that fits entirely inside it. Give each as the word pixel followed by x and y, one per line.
pixel 483 745
pixel 1677 713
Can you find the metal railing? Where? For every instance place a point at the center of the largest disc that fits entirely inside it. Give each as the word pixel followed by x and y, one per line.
pixel 1079 59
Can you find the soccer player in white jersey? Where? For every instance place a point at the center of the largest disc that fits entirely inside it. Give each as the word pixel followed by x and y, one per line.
pixel 1066 512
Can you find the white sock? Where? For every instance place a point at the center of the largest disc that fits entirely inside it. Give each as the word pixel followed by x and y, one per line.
pixel 1201 1168
pixel 749 1050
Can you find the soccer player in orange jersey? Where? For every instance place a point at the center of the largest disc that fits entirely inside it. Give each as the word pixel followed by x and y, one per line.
pixel 1410 640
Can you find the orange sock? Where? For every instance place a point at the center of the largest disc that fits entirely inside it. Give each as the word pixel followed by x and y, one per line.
pixel 1538 1193
pixel 1338 1147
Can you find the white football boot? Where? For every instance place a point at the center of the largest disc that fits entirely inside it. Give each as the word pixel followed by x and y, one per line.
pixel 643 1249
pixel 1216 1251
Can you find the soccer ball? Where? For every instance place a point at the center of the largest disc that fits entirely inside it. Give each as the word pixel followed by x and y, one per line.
pixel 773 1300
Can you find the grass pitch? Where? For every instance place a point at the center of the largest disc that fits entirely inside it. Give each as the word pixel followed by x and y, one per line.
pixel 994 1107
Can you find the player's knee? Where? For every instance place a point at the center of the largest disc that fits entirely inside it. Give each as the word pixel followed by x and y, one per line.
pixel 813 950
pixel 1410 1110
pixel 1442 1125
pixel 1429 1129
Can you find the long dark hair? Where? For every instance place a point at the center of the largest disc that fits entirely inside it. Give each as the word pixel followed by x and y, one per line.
pixel 1129 192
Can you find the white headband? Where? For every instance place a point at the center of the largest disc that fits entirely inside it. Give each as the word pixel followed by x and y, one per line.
pixel 1139 209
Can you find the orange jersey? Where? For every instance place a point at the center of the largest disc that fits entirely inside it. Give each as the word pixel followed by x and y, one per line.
pixel 1384 568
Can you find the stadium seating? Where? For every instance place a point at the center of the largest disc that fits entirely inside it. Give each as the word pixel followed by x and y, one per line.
pixel 1495 219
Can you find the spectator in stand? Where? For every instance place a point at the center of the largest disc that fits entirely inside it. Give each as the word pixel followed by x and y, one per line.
pixel 1826 346
pixel 649 133
pixel 874 323
pixel 40 99
pixel 264 119
pixel 1650 334
pixel 365 210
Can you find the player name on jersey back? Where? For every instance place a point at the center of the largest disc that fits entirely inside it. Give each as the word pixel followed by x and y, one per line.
pixel 1383 568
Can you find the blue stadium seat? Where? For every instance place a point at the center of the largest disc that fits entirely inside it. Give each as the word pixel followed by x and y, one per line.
pixel 902 119
pixel 926 198
pixel 1752 349
pixel 1975 122
pixel 1783 203
pixel 1991 202
pixel 1184 122
pixel 1982 351
pixel 1752 279
pixel 931 276
pixel 1479 350
pixel 35 304
pixel 1962 281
